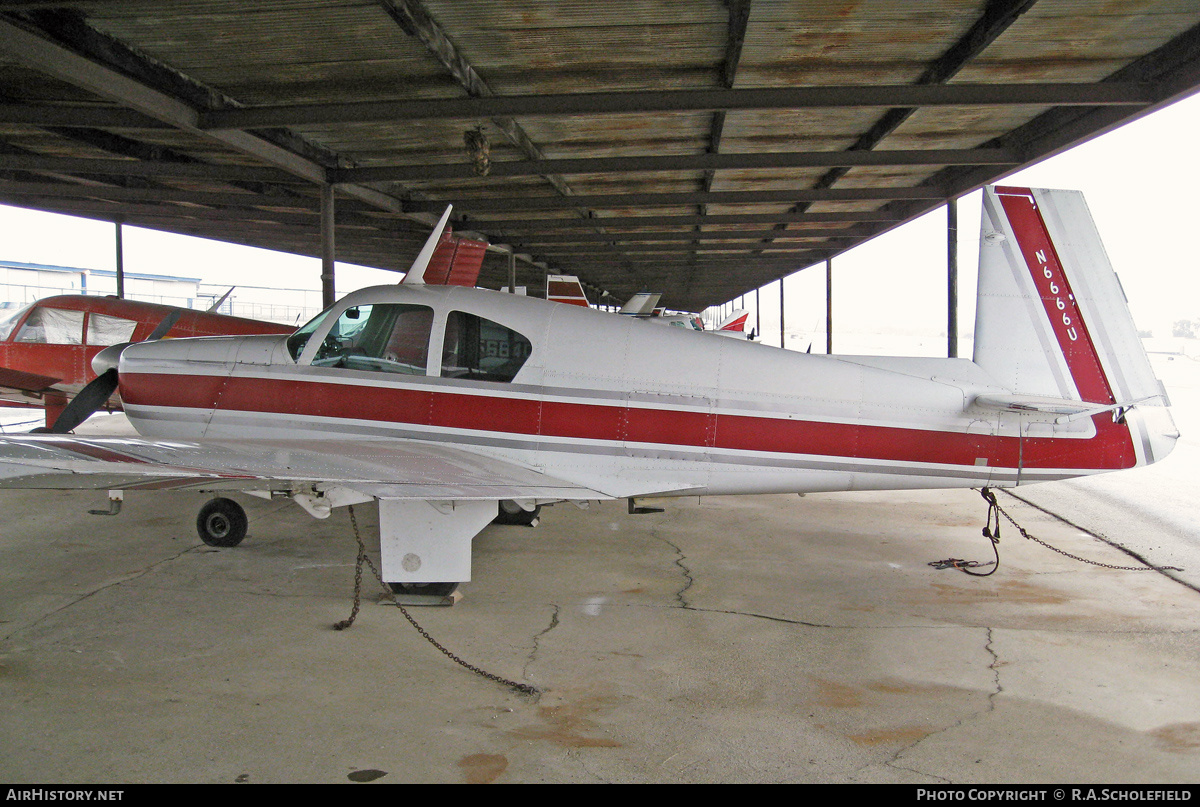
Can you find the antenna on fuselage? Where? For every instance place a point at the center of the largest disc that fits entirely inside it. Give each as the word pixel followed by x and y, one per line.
pixel 416 272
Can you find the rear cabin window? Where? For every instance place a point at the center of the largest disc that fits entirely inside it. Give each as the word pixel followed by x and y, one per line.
pixel 387 338
pixel 482 350
pixel 52 326
pixel 105 330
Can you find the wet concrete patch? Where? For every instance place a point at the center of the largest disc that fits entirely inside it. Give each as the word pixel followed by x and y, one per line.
pixel 1178 737
pixel 572 723
pixel 482 769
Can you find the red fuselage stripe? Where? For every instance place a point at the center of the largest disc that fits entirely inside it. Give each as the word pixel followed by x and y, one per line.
pixel 617 423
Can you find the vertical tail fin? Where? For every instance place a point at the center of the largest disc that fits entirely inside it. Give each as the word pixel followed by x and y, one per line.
pixel 1053 327
pixel 415 276
pixel 566 289
pixel 735 323
pixel 1051 318
pixel 641 304
pixel 456 261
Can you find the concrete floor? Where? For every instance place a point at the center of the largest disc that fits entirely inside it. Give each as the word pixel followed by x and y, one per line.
pixel 756 639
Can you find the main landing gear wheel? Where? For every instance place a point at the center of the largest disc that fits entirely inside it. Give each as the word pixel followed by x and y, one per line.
pixel 513 513
pixel 222 522
pixel 424 589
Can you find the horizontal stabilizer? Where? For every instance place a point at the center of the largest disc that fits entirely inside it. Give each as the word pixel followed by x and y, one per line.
pixel 1062 409
pixel 641 304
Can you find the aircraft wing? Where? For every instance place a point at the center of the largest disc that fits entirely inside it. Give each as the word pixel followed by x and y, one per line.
pixel 394 469
pixel 25 382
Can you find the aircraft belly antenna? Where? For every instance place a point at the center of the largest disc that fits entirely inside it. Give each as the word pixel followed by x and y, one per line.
pixel 416 272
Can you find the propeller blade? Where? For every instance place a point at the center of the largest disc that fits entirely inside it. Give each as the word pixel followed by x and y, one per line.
pixel 83 405
pixel 167 323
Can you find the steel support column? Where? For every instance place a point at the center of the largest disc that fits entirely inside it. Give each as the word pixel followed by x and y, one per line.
pixel 120 261
pixel 757 314
pixel 829 306
pixel 328 286
pixel 952 278
pixel 782 335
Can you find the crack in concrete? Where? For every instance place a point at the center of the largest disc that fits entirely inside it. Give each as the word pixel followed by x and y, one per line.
pixel 689 580
pixel 769 618
pixel 131 576
pixel 680 558
pixel 996 691
pixel 537 638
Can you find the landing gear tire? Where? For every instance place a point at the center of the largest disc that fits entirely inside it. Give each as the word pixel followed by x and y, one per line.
pixel 424 589
pixel 513 513
pixel 222 522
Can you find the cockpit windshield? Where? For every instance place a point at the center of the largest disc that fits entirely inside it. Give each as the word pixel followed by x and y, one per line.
pixel 9 320
pixel 384 337
pixel 300 337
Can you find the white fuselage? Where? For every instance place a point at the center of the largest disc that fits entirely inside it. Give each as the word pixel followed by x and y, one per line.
pixel 622 406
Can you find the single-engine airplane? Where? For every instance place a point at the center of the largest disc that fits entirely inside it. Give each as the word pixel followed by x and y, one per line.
pixel 47 347
pixel 440 402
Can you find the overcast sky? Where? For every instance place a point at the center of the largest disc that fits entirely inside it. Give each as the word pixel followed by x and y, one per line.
pixel 1140 182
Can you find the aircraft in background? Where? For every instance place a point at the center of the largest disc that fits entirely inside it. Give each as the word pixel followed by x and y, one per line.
pixel 566 289
pixel 734 325
pixel 644 305
pixel 47 347
pixel 439 402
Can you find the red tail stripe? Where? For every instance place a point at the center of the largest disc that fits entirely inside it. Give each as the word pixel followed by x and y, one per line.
pixel 1058 299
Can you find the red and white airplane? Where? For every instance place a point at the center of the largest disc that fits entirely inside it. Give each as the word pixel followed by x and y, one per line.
pixel 440 402
pixel 47 347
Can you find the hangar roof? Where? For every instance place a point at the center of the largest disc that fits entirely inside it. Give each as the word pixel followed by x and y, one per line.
pixel 700 149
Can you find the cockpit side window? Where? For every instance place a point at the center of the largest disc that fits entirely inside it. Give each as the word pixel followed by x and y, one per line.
pixel 384 337
pixel 52 326
pixel 481 349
